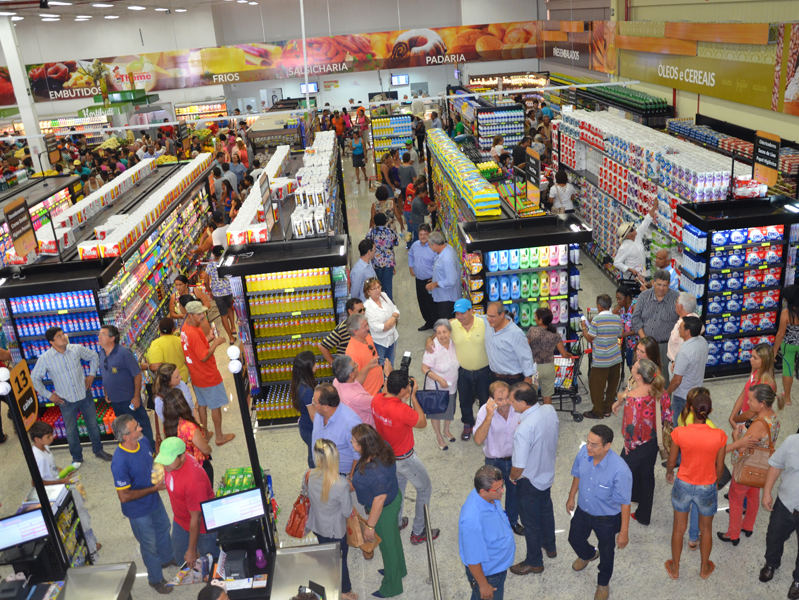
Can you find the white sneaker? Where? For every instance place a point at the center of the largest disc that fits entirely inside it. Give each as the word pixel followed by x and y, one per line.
pixel 76 465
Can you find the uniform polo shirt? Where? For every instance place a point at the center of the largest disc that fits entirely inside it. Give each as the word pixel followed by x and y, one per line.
pixel 484 535
pixel 470 346
pixel 131 471
pixel 603 487
pixel 394 421
pixel 118 370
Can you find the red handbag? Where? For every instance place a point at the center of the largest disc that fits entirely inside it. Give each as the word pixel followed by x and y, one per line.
pixel 299 512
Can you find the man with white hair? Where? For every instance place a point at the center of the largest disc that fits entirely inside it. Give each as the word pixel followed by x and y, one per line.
pixel 349 384
pixel 686 305
pixel 361 349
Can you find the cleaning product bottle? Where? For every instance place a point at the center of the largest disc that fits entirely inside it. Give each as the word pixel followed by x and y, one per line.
pixel 504 288
pixel 524 258
pixel 563 255
pixel 515 287
pixel 503 260
pixel 513 312
pixel 543 284
pixel 493 289
pixel 554 306
pixel 564 311
pixel 493 261
pixel 524 283
pixel 535 288
pixel 543 256
pixel 564 283
pixel 533 258
pixel 554 283
pixel 554 255
pixel 514 259
pixel 525 314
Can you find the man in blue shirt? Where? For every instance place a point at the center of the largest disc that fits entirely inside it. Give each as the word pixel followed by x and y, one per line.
pixel 485 539
pixel 362 269
pixel 446 284
pixel 131 467
pixel 122 379
pixel 420 260
pixel 510 357
pixel 334 421
pixel 535 445
pixel 546 111
pixel 605 485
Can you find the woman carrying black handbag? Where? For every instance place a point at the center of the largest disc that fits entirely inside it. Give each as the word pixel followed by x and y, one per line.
pixel 441 373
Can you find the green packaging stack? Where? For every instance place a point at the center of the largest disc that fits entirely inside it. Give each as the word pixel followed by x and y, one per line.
pixel 236 479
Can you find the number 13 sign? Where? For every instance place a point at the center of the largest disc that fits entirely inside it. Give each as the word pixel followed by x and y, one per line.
pixel 23 392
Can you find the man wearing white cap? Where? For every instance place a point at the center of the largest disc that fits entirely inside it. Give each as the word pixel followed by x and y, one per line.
pixel 205 376
pixel 631 256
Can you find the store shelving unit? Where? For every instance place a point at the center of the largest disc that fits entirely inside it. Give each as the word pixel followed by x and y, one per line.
pixel 129 291
pixel 89 126
pixel 485 118
pixel 739 254
pixel 390 133
pixel 192 111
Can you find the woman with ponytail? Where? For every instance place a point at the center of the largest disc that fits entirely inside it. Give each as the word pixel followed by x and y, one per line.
pixel 703 451
pixel 639 429
pixel 544 340
pixel 755 432
pixel 762 362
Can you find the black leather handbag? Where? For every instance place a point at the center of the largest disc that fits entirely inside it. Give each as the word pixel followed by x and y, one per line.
pixel 433 402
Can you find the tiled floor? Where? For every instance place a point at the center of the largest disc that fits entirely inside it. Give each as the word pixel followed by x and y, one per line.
pixel 639 571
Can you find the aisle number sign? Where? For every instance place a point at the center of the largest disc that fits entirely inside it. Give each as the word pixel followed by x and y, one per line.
pixel 23 393
pixel 767 157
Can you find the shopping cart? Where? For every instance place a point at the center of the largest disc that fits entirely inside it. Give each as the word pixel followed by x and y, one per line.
pixel 567 378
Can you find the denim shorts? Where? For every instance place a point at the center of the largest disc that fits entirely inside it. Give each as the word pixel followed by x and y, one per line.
pixel 211 397
pixel 704 496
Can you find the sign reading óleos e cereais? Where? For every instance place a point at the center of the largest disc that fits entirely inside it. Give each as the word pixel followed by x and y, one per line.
pixel 740 82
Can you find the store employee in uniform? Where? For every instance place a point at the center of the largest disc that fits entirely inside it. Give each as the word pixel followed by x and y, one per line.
pixel 631 256
pixel 122 379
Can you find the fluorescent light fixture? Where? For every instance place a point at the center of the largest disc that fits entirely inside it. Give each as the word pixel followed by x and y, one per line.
pixel 81 20
pixel 49 16
pixel 253 4
pixel 574 227
pixel 134 7
pixel 180 10
pixel 57 3
pixel 50 20
pixel 161 10
pixel 83 16
pixel 7 14
pixel 100 5
pixel 792 207
pixel 111 17
pixel 17 18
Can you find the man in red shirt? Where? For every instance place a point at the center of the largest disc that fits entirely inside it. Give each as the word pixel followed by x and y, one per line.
pixel 338 123
pixel 361 349
pixel 395 422
pixel 167 130
pixel 187 485
pixel 205 376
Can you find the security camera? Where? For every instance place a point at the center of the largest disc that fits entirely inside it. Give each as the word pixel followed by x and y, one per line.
pixel 44 3
pixel 167 12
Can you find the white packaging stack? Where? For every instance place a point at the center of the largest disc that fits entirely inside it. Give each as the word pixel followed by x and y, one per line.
pixel 50 242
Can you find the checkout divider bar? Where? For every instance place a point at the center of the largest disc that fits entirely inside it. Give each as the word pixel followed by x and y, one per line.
pixel 431 556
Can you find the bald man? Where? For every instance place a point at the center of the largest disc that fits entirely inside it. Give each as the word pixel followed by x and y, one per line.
pixel 663 261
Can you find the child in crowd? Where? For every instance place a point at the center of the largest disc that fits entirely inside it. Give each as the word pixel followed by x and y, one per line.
pixel 41 435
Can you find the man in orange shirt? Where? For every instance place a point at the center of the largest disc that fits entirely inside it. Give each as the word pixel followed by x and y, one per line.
pixel 361 349
pixel 338 123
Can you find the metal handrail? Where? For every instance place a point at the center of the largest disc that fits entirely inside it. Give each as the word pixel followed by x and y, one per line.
pixel 431 556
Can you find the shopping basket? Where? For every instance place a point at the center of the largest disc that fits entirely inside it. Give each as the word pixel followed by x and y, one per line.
pixel 567 378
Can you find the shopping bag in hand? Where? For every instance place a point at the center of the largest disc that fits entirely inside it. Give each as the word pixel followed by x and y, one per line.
pixel 299 513
pixel 356 525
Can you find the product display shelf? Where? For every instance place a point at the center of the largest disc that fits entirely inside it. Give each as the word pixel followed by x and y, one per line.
pixel 286 308
pixel 491 249
pixel 189 111
pixel 737 274
pixel 389 133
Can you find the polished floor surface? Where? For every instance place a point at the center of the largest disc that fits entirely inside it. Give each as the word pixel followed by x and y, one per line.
pixel 639 571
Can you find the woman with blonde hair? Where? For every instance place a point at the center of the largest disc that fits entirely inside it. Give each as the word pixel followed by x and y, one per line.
pixel 241 150
pixel 167 377
pixel 639 429
pixel 496 147
pixel 762 361
pixel 331 505
pixel 760 430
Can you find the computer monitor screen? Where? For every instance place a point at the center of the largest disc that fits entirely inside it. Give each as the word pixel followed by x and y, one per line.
pixel 400 80
pixel 23 528
pixel 235 508
pixel 312 88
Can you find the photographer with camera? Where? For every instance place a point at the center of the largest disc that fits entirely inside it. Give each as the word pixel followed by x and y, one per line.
pixel 395 422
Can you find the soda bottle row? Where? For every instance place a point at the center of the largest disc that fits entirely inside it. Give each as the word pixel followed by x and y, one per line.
pixel 36 348
pixel 105 417
pixel 500 116
pixel 287 348
pixel 48 302
pixel 278 326
pixel 291 301
pixel 282 371
pixel 82 321
pixel 287 279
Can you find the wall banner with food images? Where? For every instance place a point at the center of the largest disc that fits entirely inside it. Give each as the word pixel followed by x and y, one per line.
pixel 567 42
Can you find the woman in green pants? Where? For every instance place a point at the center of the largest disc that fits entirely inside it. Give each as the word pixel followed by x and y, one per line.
pixel 375 483
pixel 787 340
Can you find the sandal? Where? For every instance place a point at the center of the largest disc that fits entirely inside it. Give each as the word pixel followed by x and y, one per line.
pixel 668 569
pixel 712 566
pixel 693 545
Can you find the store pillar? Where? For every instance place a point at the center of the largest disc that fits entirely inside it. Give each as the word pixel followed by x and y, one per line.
pixel 22 91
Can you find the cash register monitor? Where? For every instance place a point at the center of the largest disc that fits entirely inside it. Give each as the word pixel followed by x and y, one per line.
pixel 235 508
pixel 21 529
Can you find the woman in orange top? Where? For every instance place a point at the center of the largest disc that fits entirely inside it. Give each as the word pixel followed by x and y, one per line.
pixel 703 450
pixel 179 422
pixel 241 150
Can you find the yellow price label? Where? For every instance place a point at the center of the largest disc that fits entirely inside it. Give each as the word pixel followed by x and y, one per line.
pixel 63 312
pixel 296 314
pixel 507 302
pixel 725 270
pixel 727 294
pixel 718 337
pixel 763 267
pixel 738 247
pixel 296 337
pixel 726 315
pixel 766 244
pixel 289 290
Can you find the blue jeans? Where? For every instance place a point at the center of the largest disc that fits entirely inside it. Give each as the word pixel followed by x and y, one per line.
pixel 206 543
pixel 538 518
pixel 152 533
pixel 472 384
pixel 605 529
pixel 306 435
pixel 140 414
pixel 387 353
pixel 414 229
pixel 69 411
pixel 504 466
pixel 677 404
pixel 346 586
pixel 496 580
pixel 704 497
pixel 386 277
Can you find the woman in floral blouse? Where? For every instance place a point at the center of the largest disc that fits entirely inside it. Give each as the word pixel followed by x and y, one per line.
pixel 640 433
pixel 384 261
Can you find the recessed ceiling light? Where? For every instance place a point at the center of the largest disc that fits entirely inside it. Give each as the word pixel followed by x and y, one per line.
pixel 161 9
pixel 56 3
pixel 253 4
pixel 50 20
pixel 103 5
pixel 111 17
pixel 83 16
pixel 134 7
pixel 49 16
pixel 7 14
pixel 17 18
pixel 180 10
pixel 81 20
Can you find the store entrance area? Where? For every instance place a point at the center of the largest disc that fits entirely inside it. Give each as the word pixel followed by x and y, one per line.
pixel 282 451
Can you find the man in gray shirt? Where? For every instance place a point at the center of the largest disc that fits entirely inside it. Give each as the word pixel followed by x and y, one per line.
pixel 509 355
pixel 436 121
pixel 362 269
pixel 784 518
pixel 217 183
pixel 230 176
pixel 689 365
pixel 655 314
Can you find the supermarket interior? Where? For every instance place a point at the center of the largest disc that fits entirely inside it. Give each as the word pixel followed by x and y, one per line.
pixel 228 159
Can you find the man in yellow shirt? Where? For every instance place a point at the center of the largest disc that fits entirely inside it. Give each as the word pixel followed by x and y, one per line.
pixel 166 349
